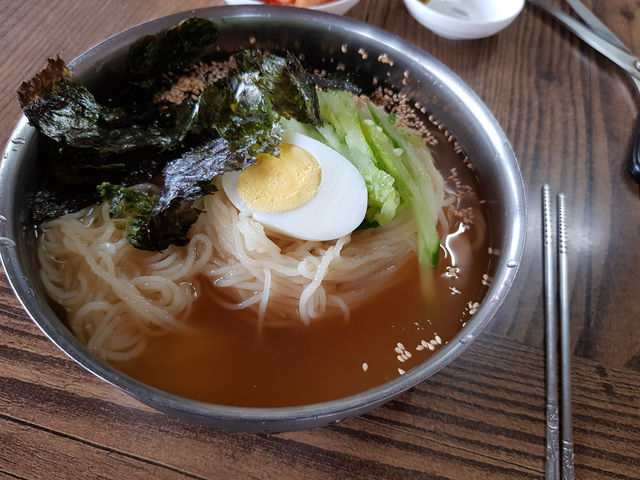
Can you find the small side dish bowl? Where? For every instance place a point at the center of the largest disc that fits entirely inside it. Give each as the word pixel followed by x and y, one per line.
pixel 337 7
pixel 324 41
pixel 465 19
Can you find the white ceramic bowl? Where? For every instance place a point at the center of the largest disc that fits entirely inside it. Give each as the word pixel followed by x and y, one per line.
pixel 339 7
pixel 465 19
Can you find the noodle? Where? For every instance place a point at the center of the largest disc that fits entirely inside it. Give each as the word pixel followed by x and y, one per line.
pixel 302 279
pixel 117 296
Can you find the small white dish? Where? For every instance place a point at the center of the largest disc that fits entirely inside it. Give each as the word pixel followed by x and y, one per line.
pixel 465 19
pixel 338 7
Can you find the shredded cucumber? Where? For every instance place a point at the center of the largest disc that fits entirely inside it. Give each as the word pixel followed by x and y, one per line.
pixel 410 159
pixel 342 131
pixel 395 164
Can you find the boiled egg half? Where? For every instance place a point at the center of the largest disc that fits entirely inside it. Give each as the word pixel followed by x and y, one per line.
pixel 310 191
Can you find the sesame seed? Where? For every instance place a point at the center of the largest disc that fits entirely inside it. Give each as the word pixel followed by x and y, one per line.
pixel 473 307
pixel 452 272
pixel 400 345
pixel 419 348
pixel 365 367
pixel 343 48
pixel 433 342
pixel 424 343
pixel 192 81
pixel 438 339
pixel 431 347
pixel 407 353
pixel 401 371
pixel 384 58
pixel 400 358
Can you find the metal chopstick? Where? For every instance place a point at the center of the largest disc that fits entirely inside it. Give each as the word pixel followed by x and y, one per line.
pixel 565 343
pixel 552 465
pixel 559 458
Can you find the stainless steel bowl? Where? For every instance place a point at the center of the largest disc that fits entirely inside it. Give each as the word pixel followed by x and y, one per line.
pixel 319 37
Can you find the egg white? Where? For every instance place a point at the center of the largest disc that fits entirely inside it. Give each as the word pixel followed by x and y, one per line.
pixel 337 208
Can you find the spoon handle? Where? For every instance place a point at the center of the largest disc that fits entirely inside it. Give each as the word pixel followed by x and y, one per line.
pixel 633 164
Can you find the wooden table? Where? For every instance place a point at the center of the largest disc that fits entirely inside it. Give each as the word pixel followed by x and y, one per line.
pixel 569 115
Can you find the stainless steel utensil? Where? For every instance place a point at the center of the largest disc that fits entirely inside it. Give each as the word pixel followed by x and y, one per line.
pixel 566 433
pixel 597 35
pixel 559 455
pixel 552 465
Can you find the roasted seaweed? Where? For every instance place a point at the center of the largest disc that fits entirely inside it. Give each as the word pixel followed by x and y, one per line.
pixel 129 137
pixel 238 111
pixel 57 106
pixel 151 58
pixel 337 82
pixel 69 176
pixel 155 223
pixel 285 82
pixel 130 207
pixel 65 111
pixel 190 176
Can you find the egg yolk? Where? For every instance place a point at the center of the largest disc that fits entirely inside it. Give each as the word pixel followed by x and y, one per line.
pixel 280 184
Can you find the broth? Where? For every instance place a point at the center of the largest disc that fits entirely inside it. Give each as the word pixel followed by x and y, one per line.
pixel 224 359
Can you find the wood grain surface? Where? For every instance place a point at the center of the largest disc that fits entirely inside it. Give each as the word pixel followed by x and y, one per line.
pixel 568 113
